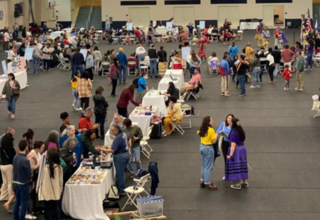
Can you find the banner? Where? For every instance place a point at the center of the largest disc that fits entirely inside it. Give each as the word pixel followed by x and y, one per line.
pixel 28 54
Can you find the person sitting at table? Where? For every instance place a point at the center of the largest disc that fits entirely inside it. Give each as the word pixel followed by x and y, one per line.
pixel 171 91
pixel 135 134
pixel 142 87
pixel 87 139
pixel 123 102
pixel 174 113
pixel 121 156
pixel 196 78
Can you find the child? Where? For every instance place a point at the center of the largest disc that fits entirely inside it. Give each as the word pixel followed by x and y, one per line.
pixel 74 84
pixel 286 75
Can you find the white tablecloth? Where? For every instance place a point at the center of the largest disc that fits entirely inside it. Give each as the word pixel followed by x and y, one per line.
pixel 107 137
pixel 175 73
pixel 85 201
pixel 248 25
pixel 163 84
pixel 55 34
pixel 21 77
pixel 155 100
pixel 142 120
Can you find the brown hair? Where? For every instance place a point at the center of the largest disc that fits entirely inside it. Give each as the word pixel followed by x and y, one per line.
pixel 99 90
pixel 131 89
pixel 214 54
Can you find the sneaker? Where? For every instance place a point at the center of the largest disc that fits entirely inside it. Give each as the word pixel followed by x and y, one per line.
pixel 29 216
pixel 284 88
pixel 235 186
pixel 227 94
pixel 246 184
pixel 296 89
pixel 222 93
pixel 80 109
pixel 258 87
pixel 242 95
pixel 210 186
pixel 252 87
pixel 223 178
pixel 301 90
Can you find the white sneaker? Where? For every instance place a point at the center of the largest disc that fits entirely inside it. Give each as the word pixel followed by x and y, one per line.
pixel 29 216
pixel 284 88
pixel 258 87
pixel 252 87
pixel 301 90
pixel 296 89
pixel 223 178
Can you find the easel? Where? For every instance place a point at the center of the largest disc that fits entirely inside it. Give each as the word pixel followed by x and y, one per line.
pixel 116 216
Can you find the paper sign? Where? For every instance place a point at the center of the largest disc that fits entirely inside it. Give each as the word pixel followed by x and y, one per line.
pixel 129 26
pixel 22 66
pixel 202 24
pixel 10 70
pixel 84 53
pixel 4 67
pixel 169 25
pixel 28 53
pixel 185 52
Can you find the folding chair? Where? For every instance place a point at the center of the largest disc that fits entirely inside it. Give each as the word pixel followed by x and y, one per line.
pixel 177 126
pixel 316 105
pixel 132 65
pixel 134 191
pixel 186 112
pixel 146 149
pixel 193 92
pixel 317 59
pixel 115 41
pixel 142 184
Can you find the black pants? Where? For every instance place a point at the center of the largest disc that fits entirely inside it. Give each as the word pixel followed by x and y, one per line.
pixel 84 102
pixel 123 112
pixel 90 71
pixel 225 147
pixel 100 119
pixel 52 210
pixel 33 205
pixel 271 69
pixel 114 86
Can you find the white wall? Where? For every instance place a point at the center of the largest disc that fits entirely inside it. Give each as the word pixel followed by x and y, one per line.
pixel 64 10
pixel 4 8
pixel 205 11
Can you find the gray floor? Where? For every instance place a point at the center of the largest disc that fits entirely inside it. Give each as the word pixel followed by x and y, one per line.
pixel 282 142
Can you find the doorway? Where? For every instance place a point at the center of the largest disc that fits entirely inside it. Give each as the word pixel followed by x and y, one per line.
pixel 278 17
pixel 273 16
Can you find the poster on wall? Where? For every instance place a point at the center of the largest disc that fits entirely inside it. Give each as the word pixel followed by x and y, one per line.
pixel 169 25
pixel 202 24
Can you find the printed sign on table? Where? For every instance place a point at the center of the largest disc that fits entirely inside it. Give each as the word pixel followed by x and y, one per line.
pixel 28 53
pixel 169 25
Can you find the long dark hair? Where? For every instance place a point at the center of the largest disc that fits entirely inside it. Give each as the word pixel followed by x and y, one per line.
pixel 53 159
pixel 237 127
pixel 171 86
pixel 89 133
pixel 203 130
pixel 115 62
pixel 226 122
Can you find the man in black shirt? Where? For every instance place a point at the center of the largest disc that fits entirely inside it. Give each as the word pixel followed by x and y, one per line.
pixel 242 70
pixel 277 57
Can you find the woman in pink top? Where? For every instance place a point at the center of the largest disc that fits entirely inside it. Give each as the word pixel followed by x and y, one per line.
pixel 52 141
pixel 113 75
pixel 196 78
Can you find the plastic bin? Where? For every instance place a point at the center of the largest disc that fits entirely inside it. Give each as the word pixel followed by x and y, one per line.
pixel 150 206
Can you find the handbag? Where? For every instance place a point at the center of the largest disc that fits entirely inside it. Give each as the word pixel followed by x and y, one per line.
pixel 15 91
pixel 113 194
pixel 221 139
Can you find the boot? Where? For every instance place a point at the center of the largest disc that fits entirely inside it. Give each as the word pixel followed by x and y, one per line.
pixel 97 133
pixel 102 134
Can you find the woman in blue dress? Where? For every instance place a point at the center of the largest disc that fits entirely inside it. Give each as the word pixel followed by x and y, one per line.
pixel 236 167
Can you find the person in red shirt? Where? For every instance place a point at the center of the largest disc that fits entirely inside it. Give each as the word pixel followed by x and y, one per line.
pixel 137 32
pixel 287 55
pixel 286 75
pixel 123 102
pixel 86 123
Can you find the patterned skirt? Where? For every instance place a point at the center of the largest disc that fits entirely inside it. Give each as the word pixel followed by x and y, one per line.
pixel 236 167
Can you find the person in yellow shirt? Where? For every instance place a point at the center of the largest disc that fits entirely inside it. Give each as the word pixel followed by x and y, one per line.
pixel 174 112
pixel 76 100
pixel 249 52
pixel 207 138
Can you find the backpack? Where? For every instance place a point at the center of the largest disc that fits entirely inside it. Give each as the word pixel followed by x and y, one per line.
pixel 135 82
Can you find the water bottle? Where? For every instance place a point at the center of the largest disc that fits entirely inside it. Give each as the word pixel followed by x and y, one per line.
pixel 74 162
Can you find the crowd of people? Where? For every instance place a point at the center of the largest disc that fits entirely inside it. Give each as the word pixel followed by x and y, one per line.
pixel 45 166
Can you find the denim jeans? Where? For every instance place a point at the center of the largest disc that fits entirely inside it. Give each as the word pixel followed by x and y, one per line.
pixel 76 68
pixel 309 60
pixel 100 119
pixel 192 69
pixel 153 67
pixel 207 161
pixel 242 81
pixel 276 70
pixel 256 76
pixel 122 73
pixel 141 57
pixel 46 64
pixel 22 199
pixel 76 99
pixel 11 105
pixel 135 160
pixel 120 162
pixel 35 64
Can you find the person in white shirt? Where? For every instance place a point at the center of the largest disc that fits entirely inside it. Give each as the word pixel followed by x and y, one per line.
pixel 7 38
pixel 97 59
pixel 140 54
pixel 270 64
